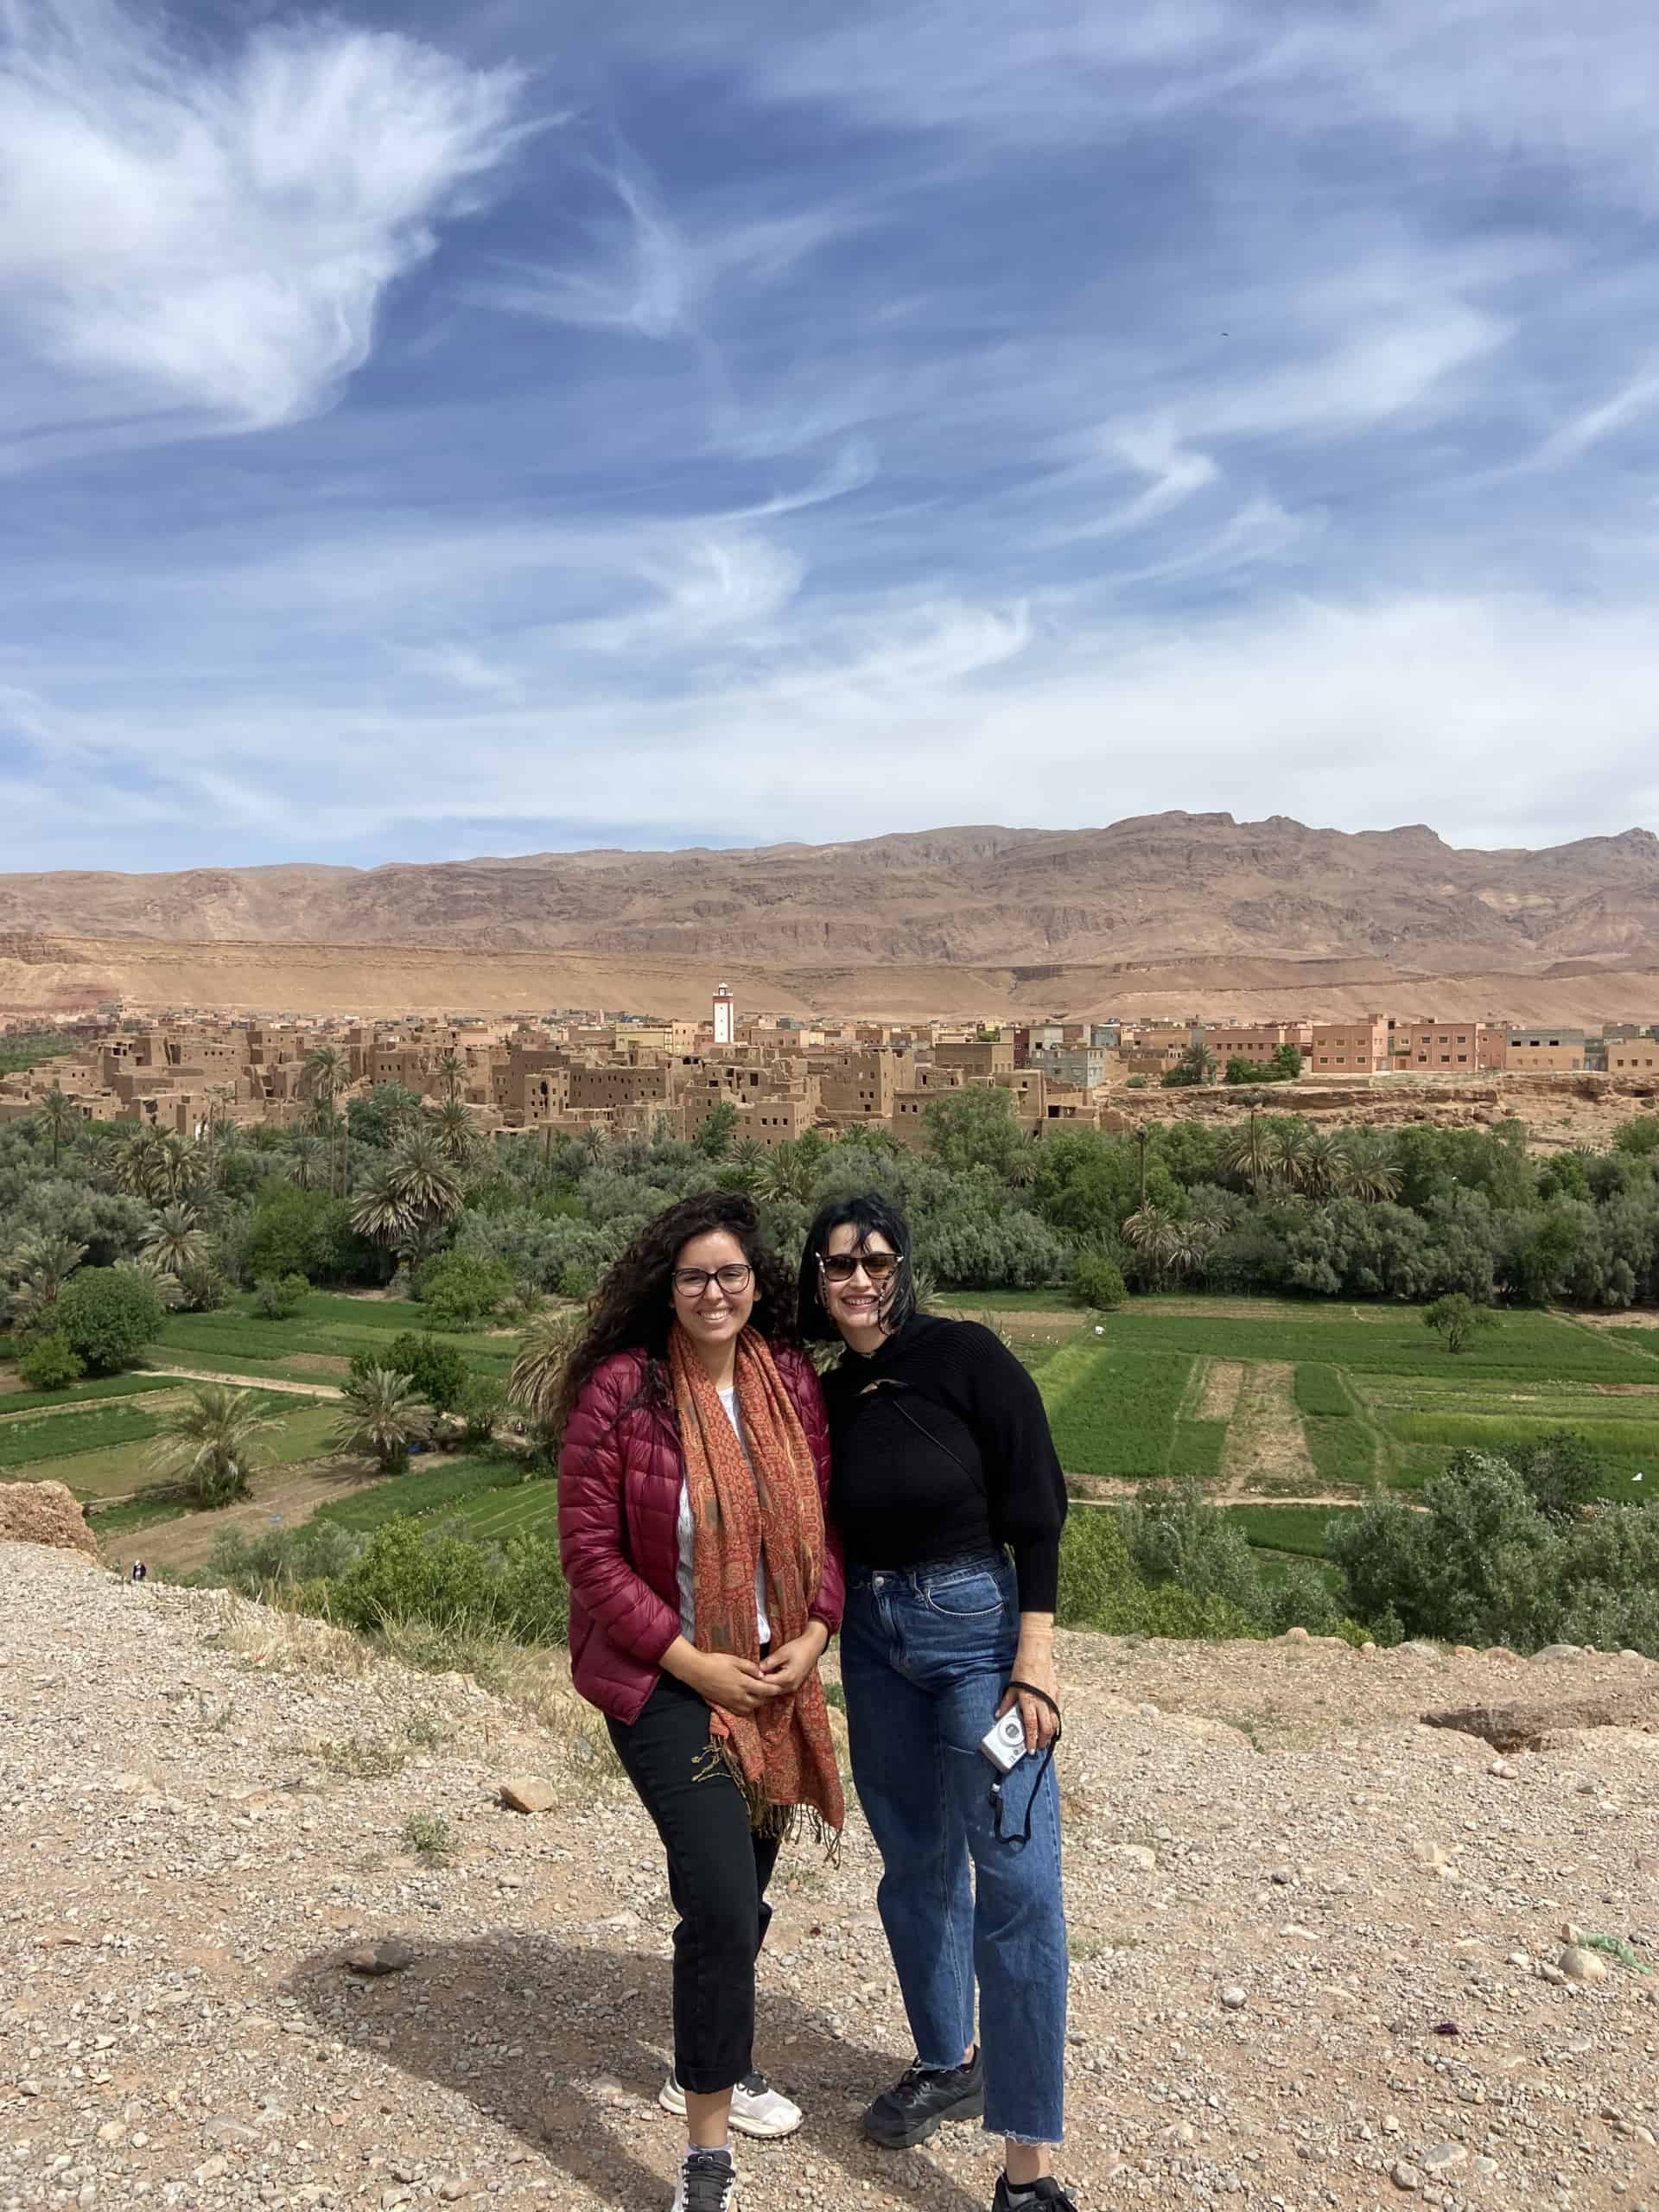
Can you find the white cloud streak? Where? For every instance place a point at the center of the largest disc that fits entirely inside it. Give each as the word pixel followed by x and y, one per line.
pixel 191 244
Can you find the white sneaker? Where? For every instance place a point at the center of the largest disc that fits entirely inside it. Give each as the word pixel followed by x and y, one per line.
pixel 757 2107
pixel 708 2182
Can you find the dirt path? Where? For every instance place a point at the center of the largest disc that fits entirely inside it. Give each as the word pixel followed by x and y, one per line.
pixel 250 1381
pixel 1218 1399
pixel 290 1495
pixel 1264 1438
pixel 1111 1490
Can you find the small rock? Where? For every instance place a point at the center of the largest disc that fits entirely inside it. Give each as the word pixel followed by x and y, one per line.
pixel 1405 2177
pixel 1443 2157
pixel 389 1956
pixel 454 2188
pixel 524 1793
pixel 1132 1854
pixel 1502 1770
pixel 1233 1998
pixel 1580 1965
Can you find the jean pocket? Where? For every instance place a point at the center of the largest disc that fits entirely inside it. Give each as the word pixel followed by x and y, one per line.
pixel 974 1597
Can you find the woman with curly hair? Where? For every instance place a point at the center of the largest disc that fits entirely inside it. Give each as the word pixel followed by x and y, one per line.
pixel 703 1589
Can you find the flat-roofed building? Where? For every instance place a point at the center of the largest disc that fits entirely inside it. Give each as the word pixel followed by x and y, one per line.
pixel 1350 1048
pixel 1553 1051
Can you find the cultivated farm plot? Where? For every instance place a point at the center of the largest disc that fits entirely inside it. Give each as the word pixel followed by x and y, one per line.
pixel 1301 1410
pixel 317 1345
pixel 105 1451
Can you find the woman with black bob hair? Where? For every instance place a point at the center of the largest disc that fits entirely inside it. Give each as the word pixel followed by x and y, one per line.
pixel 950 1501
pixel 704 1589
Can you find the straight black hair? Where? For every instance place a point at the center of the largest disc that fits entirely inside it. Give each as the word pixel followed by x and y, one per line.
pixel 868 1216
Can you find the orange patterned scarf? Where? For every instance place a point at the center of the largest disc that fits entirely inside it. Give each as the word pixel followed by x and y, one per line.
pixel 742 1509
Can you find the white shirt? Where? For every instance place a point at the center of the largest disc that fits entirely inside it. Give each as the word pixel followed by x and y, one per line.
pixel 688 1537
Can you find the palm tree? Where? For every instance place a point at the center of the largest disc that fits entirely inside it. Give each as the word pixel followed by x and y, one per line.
pixel 1188 1246
pixel 42 1265
pixel 177 1167
pixel 381 1211
pixel 1372 1171
pixel 744 1165
pixel 175 1240
pixel 426 1177
pixel 1286 1146
pixel 1322 1165
pixel 790 1171
pixel 451 1070
pixel 59 1116
pixel 136 1172
pixel 454 1126
pixel 304 1150
pixel 538 1374
pixel 209 1442
pixel 1246 1151
pixel 323 1066
pixel 384 1416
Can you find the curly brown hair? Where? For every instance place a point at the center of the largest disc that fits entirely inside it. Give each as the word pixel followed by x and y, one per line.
pixel 632 1309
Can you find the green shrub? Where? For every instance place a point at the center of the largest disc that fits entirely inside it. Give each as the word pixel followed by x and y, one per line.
pixel 1097 1280
pixel 1094 1568
pixel 312 1556
pixel 462 1289
pixel 1174 1535
pixel 1486 1565
pixel 406 1572
pixel 50 1364
pixel 106 1316
pixel 481 1403
pixel 439 1372
pixel 279 1298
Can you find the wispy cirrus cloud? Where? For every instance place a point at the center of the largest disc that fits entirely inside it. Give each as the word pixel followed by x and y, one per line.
pixel 194 239
pixel 915 410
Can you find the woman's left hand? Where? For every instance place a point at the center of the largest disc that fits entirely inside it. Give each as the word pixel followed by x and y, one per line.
pixel 789 1664
pixel 1035 1665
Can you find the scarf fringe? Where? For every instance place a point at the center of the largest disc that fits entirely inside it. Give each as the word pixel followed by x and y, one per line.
pixel 784 1823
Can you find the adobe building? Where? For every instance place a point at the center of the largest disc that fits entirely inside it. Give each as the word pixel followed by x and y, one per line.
pixel 1350 1048
pixel 1555 1051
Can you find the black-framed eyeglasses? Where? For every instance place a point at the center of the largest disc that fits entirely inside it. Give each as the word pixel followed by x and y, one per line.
pixel 691 1282
pixel 842 1267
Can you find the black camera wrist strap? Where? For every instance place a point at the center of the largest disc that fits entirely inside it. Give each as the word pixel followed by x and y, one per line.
pixel 1024 1837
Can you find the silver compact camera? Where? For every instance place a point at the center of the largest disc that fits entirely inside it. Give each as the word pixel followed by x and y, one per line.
pixel 1004 1741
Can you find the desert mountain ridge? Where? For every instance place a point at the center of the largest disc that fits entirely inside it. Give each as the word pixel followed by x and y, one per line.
pixel 1158 914
pixel 1154 888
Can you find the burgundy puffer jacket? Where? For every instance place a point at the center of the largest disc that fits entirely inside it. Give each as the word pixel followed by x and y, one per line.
pixel 620 1479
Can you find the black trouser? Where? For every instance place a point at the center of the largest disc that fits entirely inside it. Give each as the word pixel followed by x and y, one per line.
pixel 718 1870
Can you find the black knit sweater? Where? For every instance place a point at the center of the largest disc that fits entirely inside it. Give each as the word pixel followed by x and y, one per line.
pixel 942 1447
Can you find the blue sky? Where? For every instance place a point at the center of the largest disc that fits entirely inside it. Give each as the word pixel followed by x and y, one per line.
pixel 428 430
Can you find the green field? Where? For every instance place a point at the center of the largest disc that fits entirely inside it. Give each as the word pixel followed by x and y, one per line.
pixel 237 1341
pixel 1340 1399
pixel 104 1451
pixel 1375 1398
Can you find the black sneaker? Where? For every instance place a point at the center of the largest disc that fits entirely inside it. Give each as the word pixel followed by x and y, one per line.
pixel 910 2111
pixel 1046 2193
pixel 708 2182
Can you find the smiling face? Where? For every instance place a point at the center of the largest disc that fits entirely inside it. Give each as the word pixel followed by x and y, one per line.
pixel 712 1313
pixel 856 1304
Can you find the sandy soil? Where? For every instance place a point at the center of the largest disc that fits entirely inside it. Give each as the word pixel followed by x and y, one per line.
pixel 1314 1944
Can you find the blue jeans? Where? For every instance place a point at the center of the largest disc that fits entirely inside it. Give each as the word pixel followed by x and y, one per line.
pixel 924 1657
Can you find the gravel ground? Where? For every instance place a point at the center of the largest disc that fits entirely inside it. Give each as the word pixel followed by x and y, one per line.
pixel 1316 1944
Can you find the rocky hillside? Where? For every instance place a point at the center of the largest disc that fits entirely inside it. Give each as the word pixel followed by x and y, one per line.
pixel 1188 887
pixel 273 1938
